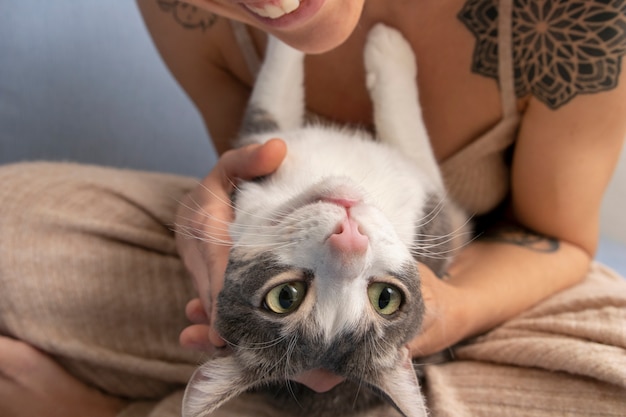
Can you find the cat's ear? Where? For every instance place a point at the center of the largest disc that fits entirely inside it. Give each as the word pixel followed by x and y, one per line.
pixel 213 384
pixel 399 386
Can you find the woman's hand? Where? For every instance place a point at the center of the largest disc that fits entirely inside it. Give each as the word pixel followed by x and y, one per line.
pixel 202 233
pixel 32 384
pixel 443 326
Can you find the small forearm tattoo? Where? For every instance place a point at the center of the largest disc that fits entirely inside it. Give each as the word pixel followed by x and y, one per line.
pixel 522 237
pixel 187 15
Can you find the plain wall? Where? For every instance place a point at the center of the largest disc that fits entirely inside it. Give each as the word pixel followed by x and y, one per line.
pixel 614 205
pixel 82 81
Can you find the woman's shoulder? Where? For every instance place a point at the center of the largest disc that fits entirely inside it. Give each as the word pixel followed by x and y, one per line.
pixel 200 50
pixel 560 49
pixel 191 38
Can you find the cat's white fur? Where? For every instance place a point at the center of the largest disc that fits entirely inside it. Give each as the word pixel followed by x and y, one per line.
pixel 391 190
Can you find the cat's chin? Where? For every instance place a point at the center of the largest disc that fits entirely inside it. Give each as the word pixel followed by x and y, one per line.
pixel 319 380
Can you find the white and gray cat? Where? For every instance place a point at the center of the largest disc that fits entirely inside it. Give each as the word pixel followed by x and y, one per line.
pixel 322 272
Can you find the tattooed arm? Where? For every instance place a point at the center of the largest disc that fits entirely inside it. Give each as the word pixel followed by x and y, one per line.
pixel 501 274
pixel 567 147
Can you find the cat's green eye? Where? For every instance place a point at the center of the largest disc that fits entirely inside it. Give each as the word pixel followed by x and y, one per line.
pixel 285 298
pixel 385 298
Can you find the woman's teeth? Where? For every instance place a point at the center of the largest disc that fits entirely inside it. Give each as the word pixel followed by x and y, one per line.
pixel 276 9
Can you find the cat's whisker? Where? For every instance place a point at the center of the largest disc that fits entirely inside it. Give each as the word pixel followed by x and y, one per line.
pixel 277 212
pixel 213 241
pixel 266 245
pixel 372 345
pixel 433 213
pixel 258 345
pixel 207 222
pixel 358 389
pixel 288 353
pixel 228 203
pixel 223 236
pixel 423 221
pixel 202 212
pixel 428 217
pixel 439 240
pixel 204 229
pixel 261 230
pixel 222 200
pixel 432 252
pixel 192 233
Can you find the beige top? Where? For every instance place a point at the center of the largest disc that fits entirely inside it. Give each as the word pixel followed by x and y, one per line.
pixel 477 176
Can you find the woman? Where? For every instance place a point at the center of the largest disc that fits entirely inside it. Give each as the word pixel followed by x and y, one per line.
pixel 524 103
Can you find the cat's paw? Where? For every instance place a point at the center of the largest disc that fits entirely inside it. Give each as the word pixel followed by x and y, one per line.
pixel 280 52
pixel 388 55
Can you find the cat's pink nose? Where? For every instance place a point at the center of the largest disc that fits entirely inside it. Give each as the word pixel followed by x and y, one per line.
pixel 347 238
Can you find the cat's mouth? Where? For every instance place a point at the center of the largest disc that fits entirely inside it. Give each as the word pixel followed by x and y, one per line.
pixel 319 380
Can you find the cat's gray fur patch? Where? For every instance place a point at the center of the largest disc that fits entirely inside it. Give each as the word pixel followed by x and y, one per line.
pixel 251 330
pixel 257 120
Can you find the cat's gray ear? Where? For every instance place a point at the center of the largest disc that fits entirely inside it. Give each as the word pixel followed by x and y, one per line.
pixel 213 384
pixel 399 386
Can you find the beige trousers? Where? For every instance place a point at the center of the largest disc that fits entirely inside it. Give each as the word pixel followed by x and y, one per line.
pixel 89 273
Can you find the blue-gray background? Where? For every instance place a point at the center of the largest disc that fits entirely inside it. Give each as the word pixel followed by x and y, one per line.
pixel 81 81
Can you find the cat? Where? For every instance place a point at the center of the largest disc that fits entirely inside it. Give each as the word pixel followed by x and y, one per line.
pixel 322 271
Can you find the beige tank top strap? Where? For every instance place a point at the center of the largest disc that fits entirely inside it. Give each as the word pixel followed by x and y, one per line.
pixel 505 59
pixel 246 45
pixel 476 176
pixel 500 136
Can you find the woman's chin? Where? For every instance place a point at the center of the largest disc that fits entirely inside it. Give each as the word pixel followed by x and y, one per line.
pixel 314 26
pixel 331 26
pixel 314 42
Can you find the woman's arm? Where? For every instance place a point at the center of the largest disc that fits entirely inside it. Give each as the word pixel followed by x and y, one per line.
pixel 199 49
pixel 562 164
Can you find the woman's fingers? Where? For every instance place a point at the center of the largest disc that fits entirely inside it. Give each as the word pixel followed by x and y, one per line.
pixel 246 163
pixel 205 210
pixel 195 312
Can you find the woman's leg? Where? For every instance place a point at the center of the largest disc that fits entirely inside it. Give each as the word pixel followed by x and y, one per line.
pixel 90 275
pixel 565 356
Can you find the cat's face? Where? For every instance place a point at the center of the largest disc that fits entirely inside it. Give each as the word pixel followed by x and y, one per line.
pixel 320 276
pixel 317 280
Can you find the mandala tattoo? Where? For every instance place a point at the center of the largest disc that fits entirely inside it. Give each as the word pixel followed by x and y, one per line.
pixel 188 16
pixel 561 48
pixel 519 236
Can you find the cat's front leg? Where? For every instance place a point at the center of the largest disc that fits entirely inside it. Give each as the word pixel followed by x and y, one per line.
pixel 391 72
pixel 277 100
